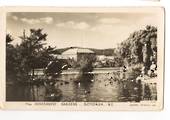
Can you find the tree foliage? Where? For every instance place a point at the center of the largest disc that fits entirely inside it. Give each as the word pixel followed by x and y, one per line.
pixel 10 57
pixel 28 55
pixel 140 47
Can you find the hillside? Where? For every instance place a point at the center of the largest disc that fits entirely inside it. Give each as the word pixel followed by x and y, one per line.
pixel 107 52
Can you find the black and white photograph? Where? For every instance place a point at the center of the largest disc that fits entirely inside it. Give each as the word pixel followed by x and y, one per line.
pixel 83 56
pixel 84 59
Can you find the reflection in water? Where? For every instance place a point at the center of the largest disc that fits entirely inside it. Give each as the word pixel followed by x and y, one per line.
pixel 52 92
pixel 69 87
pixel 82 87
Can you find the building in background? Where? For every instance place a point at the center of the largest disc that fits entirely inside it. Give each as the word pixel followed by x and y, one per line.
pixel 78 54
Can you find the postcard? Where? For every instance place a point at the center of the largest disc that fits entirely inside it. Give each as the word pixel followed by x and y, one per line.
pixel 82 59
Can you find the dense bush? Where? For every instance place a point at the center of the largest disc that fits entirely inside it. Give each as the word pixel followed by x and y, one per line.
pixel 139 48
pixel 134 71
pixel 26 56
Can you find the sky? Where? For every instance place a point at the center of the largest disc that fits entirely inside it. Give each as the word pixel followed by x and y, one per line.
pixel 89 30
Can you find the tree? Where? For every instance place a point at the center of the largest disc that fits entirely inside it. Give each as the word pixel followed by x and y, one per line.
pixel 31 49
pixel 11 58
pixel 140 47
pixel 9 39
pixel 28 55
